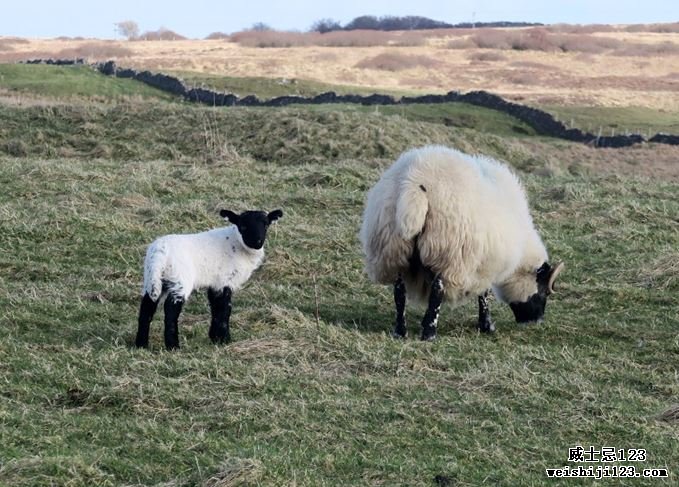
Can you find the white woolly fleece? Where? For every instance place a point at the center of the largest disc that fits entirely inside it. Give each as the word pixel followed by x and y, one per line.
pixel 468 216
pixel 215 259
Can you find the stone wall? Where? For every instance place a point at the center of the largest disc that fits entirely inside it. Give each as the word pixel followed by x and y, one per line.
pixel 542 122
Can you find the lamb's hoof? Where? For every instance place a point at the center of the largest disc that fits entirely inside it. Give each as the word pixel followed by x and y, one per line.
pixel 400 333
pixel 221 341
pixel 428 335
pixel 487 327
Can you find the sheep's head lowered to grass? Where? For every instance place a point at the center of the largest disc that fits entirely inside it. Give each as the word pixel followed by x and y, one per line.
pixel 252 225
pixel 533 308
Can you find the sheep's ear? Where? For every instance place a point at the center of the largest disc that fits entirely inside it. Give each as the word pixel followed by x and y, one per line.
pixel 274 215
pixel 230 215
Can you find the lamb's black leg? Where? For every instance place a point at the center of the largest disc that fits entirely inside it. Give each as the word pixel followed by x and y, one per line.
pixel 431 317
pixel 485 324
pixel 220 307
pixel 400 330
pixel 146 311
pixel 173 308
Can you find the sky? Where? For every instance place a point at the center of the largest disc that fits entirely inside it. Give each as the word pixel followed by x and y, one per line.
pixel 198 18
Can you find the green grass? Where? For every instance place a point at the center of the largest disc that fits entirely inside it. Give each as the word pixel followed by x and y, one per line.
pixel 291 135
pixel 312 391
pixel 71 81
pixel 617 120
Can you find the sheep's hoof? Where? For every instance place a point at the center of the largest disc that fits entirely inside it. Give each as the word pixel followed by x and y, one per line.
pixel 399 332
pixel 428 335
pixel 487 327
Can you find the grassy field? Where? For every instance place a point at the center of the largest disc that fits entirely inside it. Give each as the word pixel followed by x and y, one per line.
pixel 617 120
pixel 313 391
pixel 603 69
pixel 71 81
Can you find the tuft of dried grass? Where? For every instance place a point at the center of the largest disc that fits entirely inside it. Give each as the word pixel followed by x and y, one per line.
pixel 662 273
pixel 235 472
pixel 671 414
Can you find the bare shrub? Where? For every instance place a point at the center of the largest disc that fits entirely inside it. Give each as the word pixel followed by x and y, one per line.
pixel 486 56
pixel 338 38
pixel 666 48
pixel 394 61
pixel 356 38
pixel 668 28
pixel 586 43
pixel 217 35
pixel 464 43
pixel 161 34
pixel 493 39
pixel 540 39
pixel 580 29
pixel 93 50
pixel 270 38
pixel 410 39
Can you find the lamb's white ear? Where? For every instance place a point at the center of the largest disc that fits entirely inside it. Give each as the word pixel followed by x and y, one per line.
pixel 230 216
pixel 274 215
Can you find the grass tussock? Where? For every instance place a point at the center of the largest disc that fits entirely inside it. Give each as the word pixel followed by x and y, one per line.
pixel 662 273
pixel 671 414
pixel 486 56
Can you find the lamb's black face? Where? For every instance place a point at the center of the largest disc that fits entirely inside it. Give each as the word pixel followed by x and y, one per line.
pixel 252 225
pixel 534 308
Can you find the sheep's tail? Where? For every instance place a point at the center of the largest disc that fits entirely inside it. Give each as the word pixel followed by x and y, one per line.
pixel 412 206
pixel 154 267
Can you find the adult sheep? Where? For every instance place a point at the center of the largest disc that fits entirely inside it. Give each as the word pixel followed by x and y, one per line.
pixel 441 224
pixel 220 260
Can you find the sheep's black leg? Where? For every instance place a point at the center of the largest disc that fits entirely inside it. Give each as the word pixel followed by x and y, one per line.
pixel 146 311
pixel 220 307
pixel 173 308
pixel 400 330
pixel 485 324
pixel 431 317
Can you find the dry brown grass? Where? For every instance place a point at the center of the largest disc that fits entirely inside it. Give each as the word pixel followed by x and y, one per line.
pixel 354 38
pixel 485 56
pixel 671 414
pixel 394 61
pixel 612 77
pixel 663 273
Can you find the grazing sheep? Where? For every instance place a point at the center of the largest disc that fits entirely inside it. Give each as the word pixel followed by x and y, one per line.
pixel 443 224
pixel 220 260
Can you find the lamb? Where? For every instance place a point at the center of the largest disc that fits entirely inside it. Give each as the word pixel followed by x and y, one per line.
pixel 220 260
pixel 441 224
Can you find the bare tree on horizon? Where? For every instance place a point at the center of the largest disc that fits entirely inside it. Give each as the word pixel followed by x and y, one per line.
pixel 128 29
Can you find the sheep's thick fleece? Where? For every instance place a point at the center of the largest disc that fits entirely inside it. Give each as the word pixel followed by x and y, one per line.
pixel 467 217
pixel 215 259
